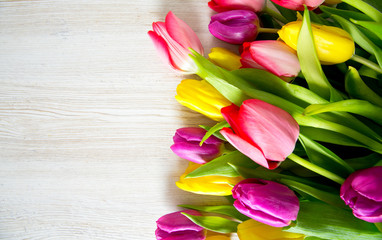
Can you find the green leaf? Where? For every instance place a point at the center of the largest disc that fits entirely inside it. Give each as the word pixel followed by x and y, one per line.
pixel 366 8
pixel 213 223
pixel 214 76
pixel 290 15
pixel 219 166
pixel 322 135
pixel 360 107
pixel 310 64
pixel 347 14
pixel 213 130
pixel 357 88
pixel 323 157
pixel 364 162
pixel 329 222
pixel 361 39
pixel 372 26
pixel 272 175
pixel 227 210
pixel 216 133
pixel 330 198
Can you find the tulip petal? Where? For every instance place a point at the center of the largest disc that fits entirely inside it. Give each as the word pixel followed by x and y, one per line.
pixel 274 130
pixel 182 33
pixel 246 148
pixel 273 55
pixel 162 48
pixel 233 34
pixel 298 5
pixel 226 5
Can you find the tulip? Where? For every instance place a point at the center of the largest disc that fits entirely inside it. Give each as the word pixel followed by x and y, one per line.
pixel 186 145
pixel 333 45
pixel 217 237
pixel 362 192
pixel 263 132
pixel 202 97
pixel 172 39
pixel 266 201
pixel 235 26
pixel 226 5
pixel 175 225
pixel 225 58
pixel 298 5
pixel 254 230
pixel 273 56
pixel 208 185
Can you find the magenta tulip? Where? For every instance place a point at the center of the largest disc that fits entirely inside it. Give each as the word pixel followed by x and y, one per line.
pixel 226 5
pixel 266 201
pixel 273 56
pixel 236 26
pixel 176 226
pixel 298 5
pixel 263 132
pixel 172 39
pixel 362 192
pixel 187 145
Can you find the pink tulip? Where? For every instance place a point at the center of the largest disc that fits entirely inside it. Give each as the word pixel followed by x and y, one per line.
pixel 172 39
pixel 226 5
pixel 298 5
pixel 362 192
pixel 261 131
pixel 175 226
pixel 273 56
pixel 266 201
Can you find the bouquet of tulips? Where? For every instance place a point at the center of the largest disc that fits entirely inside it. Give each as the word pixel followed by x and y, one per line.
pixel 297 144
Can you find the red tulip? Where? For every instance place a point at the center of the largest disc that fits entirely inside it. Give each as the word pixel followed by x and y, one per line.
pixel 298 5
pixel 226 5
pixel 263 132
pixel 172 39
pixel 273 56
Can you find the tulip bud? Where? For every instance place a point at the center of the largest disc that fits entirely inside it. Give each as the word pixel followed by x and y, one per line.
pixel 224 58
pixel 236 26
pixel 254 230
pixel 226 5
pixel 208 185
pixel 186 145
pixel 333 45
pixel 298 5
pixel 273 56
pixel 202 97
pixel 266 201
pixel 177 226
pixel 263 132
pixel 362 192
pixel 172 39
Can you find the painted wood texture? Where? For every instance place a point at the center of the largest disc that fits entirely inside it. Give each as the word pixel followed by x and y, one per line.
pixel 87 114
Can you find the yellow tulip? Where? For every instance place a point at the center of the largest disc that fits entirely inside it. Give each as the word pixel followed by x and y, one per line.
pixel 254 230
pixel 208 185
pixel 202 97
pixel 225 58
pixel 333 45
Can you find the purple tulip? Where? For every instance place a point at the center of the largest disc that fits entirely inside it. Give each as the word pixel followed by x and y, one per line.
pixel 186 145
pixel 236 26
pixel 362 192
pixel 266 201
pixel 176 226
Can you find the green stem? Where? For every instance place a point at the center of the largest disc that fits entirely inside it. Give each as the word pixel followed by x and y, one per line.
pixel 268 30
pixel 367 63
pixel 275 15
pixel 316 169
pixel 365 8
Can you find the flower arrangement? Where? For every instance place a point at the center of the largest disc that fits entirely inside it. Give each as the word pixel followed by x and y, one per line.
pixel 297 144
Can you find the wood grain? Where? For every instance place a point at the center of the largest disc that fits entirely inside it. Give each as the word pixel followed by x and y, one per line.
pixel 87 114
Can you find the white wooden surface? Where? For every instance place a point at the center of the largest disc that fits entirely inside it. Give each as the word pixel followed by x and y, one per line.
pixel 87 114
